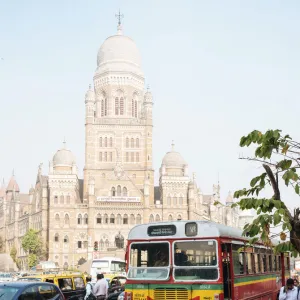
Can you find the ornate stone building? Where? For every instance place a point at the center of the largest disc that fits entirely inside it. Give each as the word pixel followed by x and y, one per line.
pixel 118 189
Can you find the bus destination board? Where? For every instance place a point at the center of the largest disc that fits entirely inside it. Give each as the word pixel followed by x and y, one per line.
pixel 162 230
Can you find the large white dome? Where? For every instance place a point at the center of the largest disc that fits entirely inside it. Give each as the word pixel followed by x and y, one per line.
pixel 173 159
pixel 119 53
pixel 63 157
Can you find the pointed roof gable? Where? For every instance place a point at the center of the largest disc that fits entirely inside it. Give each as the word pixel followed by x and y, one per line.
pixel 13 185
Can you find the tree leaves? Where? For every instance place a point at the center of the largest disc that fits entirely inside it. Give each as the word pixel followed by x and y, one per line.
pixel 280 158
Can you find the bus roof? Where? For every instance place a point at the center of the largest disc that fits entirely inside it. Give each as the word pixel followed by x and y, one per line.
pixel 205 229
pixel 109 258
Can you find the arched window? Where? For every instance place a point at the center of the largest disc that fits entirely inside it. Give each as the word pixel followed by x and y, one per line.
pixel 119 219
pixel 117 106
pixel 57 219
pixel 137 143
pixel 102 108
pixel 138 219
pixel 110 156
pixel 105 219
pixel 179 217
pixel 119 241
pixel 175 200
pixel 125 219
pixel 121 106
pixel 170 218
pixel 105 142
pixel 137 157
pixel 157 218
pixel 100 156
pixel 135 109
pixel 105 156
pixel 180 200
pixel 124 191
pixel 106 243
pixel 132 143
pixel 56 237
pixel 101 245
pixel 98 219
pixel 112 219
pixel 68 199
pixel 113 192
pixel 132 156
pixel 151 219
pixel 79 219
pixel 55 199
pixel 132 108
pixel 100 142
pixel 169 200
pixel 127 157
pixel 132 219
pixel 86 219
pixel 127 142
pixel 110 142
pixel 67 219
pixel 66 239
pixel 118 190
pixel 61 199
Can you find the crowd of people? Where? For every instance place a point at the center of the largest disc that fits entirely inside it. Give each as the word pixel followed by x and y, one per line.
pixel 97 292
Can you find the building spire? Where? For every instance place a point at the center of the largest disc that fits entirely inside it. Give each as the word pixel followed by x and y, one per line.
pixel 119 16
pixel 173 145
pixel 64 142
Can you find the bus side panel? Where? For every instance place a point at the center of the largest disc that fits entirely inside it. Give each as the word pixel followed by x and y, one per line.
pixel 254 287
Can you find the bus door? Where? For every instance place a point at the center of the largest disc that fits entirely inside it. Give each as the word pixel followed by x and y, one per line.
pixel 226 271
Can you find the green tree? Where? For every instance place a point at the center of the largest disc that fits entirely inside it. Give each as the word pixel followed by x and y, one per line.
pixel 13 253
pixel 279 156
pixel 32 244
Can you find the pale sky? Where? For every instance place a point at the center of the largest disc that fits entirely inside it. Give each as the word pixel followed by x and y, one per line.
pixel 217 70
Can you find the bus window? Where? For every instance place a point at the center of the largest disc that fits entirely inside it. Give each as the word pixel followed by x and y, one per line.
pixel 238 260
pixel 195 260
pixel 149 260
pixel 279 263
pixel 117 266
pixel 256 263
pixel 249 263
pixel 270 263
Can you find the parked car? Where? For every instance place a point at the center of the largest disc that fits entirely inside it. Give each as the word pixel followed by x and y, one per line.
pixel 5 277
pixel 20 290
pixel 72 285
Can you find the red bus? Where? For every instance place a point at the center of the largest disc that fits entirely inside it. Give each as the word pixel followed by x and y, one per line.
pixel 200 260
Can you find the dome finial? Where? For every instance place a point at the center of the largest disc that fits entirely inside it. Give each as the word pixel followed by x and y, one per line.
pixel 64 142
pixel 119 16
pixel 173 145
pixel 90 86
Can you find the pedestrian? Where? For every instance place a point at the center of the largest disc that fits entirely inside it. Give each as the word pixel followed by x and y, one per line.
pixel 296 283
pixel 289 291
pixel 89 294
pixel 101 288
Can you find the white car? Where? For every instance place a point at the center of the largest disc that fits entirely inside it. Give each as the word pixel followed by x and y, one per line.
pixel 5 277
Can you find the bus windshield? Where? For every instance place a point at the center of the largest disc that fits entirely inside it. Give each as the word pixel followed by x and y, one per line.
pixel 149 261
pixel 195 260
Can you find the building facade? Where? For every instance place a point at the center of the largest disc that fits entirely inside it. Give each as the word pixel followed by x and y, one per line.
pixel 117 190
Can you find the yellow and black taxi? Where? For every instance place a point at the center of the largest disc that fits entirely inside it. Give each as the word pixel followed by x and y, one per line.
pixel 72 285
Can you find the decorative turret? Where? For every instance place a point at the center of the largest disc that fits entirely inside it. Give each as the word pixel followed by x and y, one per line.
pixel 89 105
pixel 2 190
pixel 148 104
